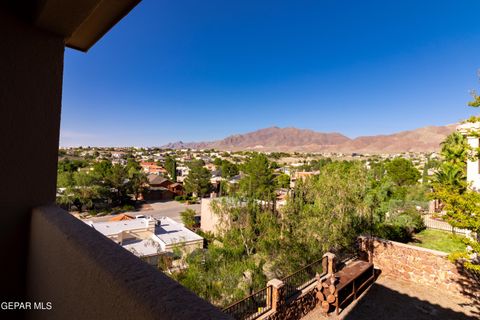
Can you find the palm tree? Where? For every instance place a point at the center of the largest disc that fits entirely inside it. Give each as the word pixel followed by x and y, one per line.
pixel 66 198
pixel 455 149
pixel 452 176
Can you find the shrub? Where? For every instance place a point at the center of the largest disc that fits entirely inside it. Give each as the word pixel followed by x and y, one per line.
pixel 401 226
pixel 188 218
pixel 128 207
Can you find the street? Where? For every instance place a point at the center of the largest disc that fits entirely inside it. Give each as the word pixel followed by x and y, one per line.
pixel 171 209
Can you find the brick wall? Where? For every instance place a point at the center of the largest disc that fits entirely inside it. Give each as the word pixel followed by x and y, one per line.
pixel 424 266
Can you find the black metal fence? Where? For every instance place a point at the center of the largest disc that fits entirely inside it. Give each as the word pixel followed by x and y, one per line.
pixel 302 278
pixel 252 306
pixel 343 257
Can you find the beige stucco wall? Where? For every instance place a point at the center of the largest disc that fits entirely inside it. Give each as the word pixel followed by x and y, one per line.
pixel 31 66
pixel 473 170
pixel 209 220
pixel 87 276
pixel 470 130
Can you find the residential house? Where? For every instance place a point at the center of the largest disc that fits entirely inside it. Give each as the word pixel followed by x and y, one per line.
pixel 152 168
pixel 160 188
pixel 119 155
pixel 303 175
pixel 149 238
pixel 470 131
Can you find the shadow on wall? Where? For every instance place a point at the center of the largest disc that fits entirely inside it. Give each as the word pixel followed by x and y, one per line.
pixel 470 287
pixel 384 303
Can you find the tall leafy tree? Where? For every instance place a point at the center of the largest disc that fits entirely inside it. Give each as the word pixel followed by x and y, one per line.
pixel 402 172
pixel 228 169
pixel 85 189
pixel 137 181
pixel 102 170
pixel 283 180
pixel 258 180
pixel 171 167
pixel 117 179
pixel 455 149
pixel 460 204
pixel 65 179
pixel 198 179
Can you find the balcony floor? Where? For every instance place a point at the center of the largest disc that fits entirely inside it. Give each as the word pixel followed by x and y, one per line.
pixel 393 299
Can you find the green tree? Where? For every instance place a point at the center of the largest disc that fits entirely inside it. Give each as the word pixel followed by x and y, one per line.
pixel 137 181
pixel 198 180
pixel 324 212
pixel 228 169
pixel 65 179
pixel 460 203
pixel 71 165
pixel 85 189
pixel 102 169
pixel 117 179
pixel 258 179
pixel 218 162
pixel 450 176
pixel 455 149
pixel 283 181
pixel 66 198
pixel 402 172
pixel 133 164
pixel 171 167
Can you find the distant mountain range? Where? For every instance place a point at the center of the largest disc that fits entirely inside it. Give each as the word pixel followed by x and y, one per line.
pixel 303 140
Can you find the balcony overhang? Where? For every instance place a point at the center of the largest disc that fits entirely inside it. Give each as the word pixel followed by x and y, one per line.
pixel 80 23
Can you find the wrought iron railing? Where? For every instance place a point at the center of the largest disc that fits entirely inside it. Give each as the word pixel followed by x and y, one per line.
pixel 302 278
pixel 343 257
pixel 252 306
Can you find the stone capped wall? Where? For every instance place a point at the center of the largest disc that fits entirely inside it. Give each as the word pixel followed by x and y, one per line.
pixel 298 307
pixel 423 266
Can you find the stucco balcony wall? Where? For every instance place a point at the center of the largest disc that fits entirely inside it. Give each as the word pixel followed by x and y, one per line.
pixel 87 276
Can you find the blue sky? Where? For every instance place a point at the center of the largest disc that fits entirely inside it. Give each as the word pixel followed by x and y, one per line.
pixel 201 70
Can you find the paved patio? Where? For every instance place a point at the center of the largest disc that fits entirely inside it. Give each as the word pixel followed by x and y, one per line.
pixel 395 299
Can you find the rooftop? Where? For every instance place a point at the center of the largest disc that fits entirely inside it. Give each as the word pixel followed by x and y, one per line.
pixel 142 247
pixel 167 231
pixel 171 232
pixel 110 228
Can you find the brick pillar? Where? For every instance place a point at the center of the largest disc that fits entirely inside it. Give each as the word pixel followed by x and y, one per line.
pixel 331 260
pixel 277 294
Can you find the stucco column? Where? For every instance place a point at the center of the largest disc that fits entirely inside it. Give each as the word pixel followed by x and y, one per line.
pixel 31 64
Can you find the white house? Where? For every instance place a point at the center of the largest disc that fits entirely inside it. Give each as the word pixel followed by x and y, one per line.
pixel 148 237
pixel 473 166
